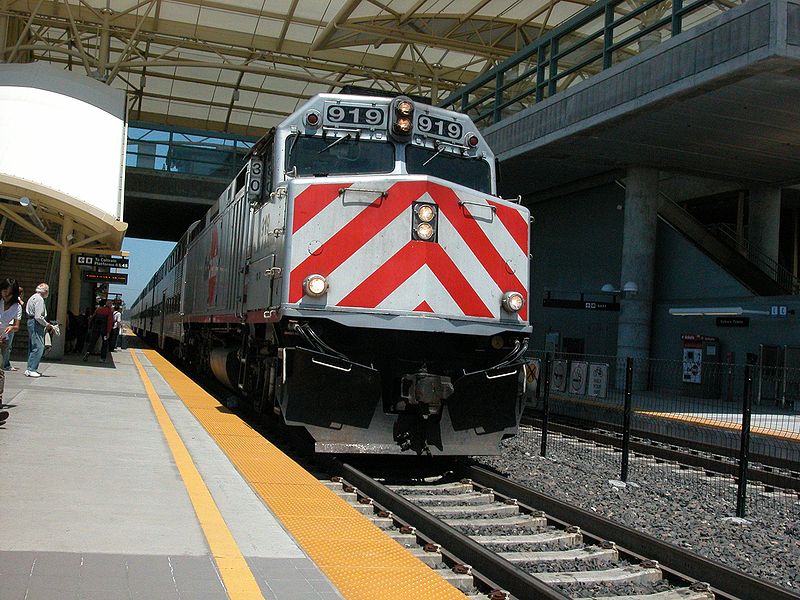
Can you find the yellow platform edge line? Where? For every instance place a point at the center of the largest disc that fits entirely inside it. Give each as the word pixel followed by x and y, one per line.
pixel 237 577
pixel 370 567
pixel 781 434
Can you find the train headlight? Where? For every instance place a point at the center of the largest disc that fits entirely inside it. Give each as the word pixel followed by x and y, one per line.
pixel 424 231
pixel 315 285
pixel 405 108
pixel 426 213
pixel 403 121
pixel 513 301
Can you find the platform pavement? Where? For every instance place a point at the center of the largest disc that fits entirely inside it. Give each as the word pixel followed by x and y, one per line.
pixel 93 507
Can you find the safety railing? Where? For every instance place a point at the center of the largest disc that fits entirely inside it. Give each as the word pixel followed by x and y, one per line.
pixel 756 255
pixel 596 38
pixel 731 412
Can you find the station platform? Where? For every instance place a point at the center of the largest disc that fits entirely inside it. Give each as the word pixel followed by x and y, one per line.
pixel 125 480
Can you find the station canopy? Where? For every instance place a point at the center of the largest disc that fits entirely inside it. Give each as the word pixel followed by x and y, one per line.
pixel 240 66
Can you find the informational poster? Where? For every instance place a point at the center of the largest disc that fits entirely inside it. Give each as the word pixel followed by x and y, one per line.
pixel 578 372
pixel 692 365
pixel 558 382
pixel 598 380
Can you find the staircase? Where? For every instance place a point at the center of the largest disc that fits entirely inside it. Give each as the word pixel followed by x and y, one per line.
pixel 748 264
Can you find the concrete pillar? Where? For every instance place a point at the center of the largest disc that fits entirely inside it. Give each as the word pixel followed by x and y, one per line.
pixel 638 262
pixel 64 264
pixel 765 220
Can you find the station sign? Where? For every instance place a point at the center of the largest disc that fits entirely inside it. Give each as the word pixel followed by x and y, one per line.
pixel 95 260
pixel 733 321
pixel 598 380
pixel 95 277
pixel 778 311
pixel 580 304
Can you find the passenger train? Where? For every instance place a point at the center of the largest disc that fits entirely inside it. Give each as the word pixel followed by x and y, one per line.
pixel 361 279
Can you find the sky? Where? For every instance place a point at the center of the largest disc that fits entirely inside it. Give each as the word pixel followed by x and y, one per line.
pixel 145 257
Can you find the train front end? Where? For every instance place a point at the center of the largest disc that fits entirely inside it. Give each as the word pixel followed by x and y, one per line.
pixel 404 288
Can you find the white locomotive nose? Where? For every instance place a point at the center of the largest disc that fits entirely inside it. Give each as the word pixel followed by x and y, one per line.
pixel 315 286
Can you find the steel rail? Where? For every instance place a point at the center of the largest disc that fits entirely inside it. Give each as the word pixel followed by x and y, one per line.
pixel 499 570
pixel 731 582
pixel 770 478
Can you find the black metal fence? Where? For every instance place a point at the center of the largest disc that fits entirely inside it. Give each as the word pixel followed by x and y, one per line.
pixel 731 429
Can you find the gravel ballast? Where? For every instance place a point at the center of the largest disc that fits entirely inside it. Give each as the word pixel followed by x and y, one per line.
pixel 686 509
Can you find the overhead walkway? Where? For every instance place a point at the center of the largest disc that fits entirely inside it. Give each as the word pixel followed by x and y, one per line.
pixel 181 169
pixel 721 99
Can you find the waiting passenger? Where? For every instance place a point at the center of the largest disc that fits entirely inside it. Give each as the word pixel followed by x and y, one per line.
pixel 10 319
pixel 36 312
pixel 115 331
pixel 101 324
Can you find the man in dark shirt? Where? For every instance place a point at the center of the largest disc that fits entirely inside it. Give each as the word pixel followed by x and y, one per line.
pixel 101 323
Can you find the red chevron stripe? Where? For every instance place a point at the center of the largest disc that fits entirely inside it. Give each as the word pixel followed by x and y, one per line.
pixel 481 246
pixel 407 261
pixel 514 222
pixel 366 225
pixel 424 307
pixel 312 200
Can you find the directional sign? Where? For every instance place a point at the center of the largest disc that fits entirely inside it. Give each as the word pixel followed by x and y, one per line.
pixel 95 277
pixel 580 304
pixel 92 260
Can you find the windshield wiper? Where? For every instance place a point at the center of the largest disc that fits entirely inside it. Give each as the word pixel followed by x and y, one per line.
pixel 334 142
pixel 439 149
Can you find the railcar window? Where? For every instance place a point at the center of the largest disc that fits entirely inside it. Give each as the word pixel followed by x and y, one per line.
pixel 338 156
pixel 473 173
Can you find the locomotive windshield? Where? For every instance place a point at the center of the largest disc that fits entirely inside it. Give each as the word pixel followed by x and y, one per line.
pixel 345 155
pixel 473 173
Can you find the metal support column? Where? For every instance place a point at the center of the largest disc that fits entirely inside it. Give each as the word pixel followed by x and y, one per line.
pixel 744 452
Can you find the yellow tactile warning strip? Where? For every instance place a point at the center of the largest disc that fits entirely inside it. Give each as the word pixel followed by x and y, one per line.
pixel 358 558
pixel 722 424
pixel 236 574
pixel 705 421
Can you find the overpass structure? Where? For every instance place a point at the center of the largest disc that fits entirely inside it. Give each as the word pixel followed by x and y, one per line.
pixel 712 110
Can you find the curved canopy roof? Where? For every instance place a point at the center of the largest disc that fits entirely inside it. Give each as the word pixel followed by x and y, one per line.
pixel 242 65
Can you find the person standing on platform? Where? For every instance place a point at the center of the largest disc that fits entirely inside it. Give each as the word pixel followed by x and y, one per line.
pixel 115 331
pixel 36 312
pixel 101 324
pixel 10 319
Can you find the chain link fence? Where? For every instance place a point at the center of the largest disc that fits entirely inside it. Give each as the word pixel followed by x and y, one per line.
pixel 713 426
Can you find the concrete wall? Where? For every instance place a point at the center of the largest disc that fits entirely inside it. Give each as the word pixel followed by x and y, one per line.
pixel 577 247
pixel 576 242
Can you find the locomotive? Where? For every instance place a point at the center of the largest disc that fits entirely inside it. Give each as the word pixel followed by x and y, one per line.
pixel 359 278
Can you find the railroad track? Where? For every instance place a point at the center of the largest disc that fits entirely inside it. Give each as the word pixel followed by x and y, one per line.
pixel 491 537
pixel 714 460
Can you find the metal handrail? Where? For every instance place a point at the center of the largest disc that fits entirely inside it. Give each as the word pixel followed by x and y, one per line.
pixel 757 256
pixel 501 87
